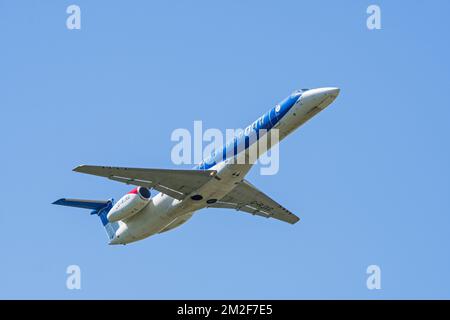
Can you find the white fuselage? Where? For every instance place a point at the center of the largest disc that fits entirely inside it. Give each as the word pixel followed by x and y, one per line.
pixel 164 212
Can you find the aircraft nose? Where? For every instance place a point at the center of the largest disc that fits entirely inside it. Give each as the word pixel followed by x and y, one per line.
pixel 334 92
pixel 320 97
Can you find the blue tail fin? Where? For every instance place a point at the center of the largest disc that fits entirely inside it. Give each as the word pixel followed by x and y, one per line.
pixel 98 207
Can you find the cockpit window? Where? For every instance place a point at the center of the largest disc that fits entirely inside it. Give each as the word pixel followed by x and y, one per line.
pixel 298 92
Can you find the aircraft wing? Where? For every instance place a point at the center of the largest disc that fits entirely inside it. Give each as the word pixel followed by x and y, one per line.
pixel 246 197
pixel 175 183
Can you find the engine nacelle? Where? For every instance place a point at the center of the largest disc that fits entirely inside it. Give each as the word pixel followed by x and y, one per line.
pixel 130 204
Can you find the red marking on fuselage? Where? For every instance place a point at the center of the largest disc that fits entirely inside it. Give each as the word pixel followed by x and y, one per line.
pixel 134 191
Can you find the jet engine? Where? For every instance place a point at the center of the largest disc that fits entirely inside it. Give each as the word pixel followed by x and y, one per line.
pixel 130 204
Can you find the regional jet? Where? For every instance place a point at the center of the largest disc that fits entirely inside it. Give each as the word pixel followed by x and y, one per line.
pixel 217 182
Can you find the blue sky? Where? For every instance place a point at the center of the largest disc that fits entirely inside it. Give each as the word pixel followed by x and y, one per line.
pixel 369 176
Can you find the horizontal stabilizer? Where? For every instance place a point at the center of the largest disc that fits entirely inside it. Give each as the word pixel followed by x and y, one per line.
pixel 96 205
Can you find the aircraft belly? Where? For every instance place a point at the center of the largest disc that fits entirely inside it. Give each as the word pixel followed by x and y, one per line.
pixel 226 180
pixel 177 222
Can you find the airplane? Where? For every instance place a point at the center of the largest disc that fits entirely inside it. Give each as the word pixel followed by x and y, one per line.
pixel 217 182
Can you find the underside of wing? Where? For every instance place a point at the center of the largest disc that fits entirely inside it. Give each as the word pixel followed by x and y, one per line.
pixel 246 197
pixel 175 183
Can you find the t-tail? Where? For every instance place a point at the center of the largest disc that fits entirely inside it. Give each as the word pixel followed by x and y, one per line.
pixel 98 207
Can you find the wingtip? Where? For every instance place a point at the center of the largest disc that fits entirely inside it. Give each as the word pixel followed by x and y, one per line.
pixel 79 168
pixel 58 201
pixel 295 220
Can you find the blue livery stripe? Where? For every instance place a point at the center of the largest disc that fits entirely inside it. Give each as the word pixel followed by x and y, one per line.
pixel 265 122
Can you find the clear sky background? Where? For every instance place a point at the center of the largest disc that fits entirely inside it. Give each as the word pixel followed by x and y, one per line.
pixel 369 176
